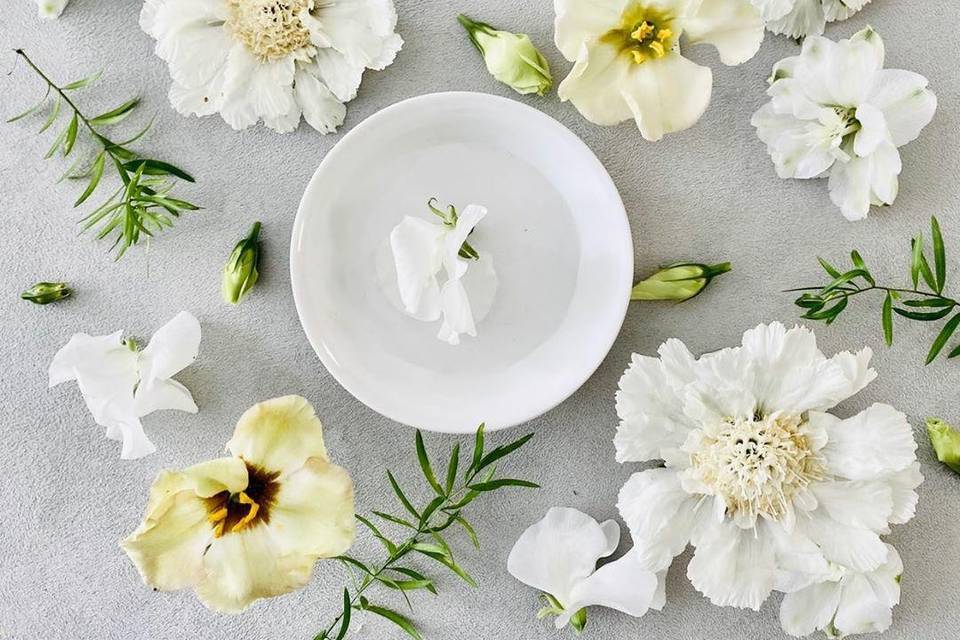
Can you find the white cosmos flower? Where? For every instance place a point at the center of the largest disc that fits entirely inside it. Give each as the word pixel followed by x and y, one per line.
pixel 770 489
pixel 121 384
pixel 253 525
pixel 558 555
pixel 847 602
pixel 802 18
pixel 835 111
pixel 421 249
pixel 51 9
pixel 270 60
pixel 628 62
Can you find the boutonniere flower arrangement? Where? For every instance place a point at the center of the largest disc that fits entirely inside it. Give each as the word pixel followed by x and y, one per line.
pixel 270 60
pixel 121 383
pixel 628 62
pixel 836 113
pixel 251 525
pixel 773 492
pixel 802 18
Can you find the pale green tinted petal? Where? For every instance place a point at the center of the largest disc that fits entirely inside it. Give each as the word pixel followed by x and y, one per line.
pixel 946 442
pixel 279 435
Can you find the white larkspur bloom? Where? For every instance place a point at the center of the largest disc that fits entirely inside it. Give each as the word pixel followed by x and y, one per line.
pixel 51 9
pixel 270 60
pixel 836 112
pixel 120 384
pixel 628 62
pixel 421 249
pixel 558 555
pixel 847 602
pixel 802 18
pixel 252 525
pixel 770 489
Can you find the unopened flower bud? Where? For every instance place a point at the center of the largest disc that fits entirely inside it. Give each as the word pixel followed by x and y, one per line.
pixel 946 442
pixel 677 281
pixel 510 57
pixel 47 292
pixel 241 271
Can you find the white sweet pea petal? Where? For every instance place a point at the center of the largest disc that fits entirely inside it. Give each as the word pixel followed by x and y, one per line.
pixel 418 256
pixel 457 317
pixel 624 585
pixel 51 9
pixel 172 348
pixel 734 27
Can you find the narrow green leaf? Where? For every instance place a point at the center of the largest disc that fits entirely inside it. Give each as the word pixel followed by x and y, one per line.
pixel 52 117
pixel 924 316
pixel 916 249
pixel 356 563
pixel 927 273
pixel 138 135
pixel 417 577
pixel 502 451
pixel 843 279
pixel 425 465
pixel 83 82
pixel 503 482
pixel 158 168
pixel 955 352
pixel 400 495
pixel 385 541
pixel 930 302
pixel 116 115
pixel 810 301
pixel 829 268
pixel 452 467
pixel 888 319
pixel 345 618
pixel 396 618
pixel 829 314
pixel 939 255
pixel 71 138
pixel 941 340
pixel 858 262
pixel 56 145
pixel 95 174
pixel 430 508
pixel 430 548
pixel 471 533
pixel 394 519
pixel 448 562
pixel 477 448
pixel 33 109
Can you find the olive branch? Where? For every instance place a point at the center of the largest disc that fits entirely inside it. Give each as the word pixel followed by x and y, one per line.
pixel 425 526
pixel 143 200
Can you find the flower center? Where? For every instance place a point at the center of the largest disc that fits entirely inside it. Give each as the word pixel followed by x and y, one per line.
pixel 845 124
pixel 270 29
pixel 757 466
pixel 644 33
pixel 231 512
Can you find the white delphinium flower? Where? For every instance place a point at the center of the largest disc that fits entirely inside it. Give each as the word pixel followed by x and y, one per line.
pixel 768 487
pixel 120 384
pixel 51 9
pixel 558 555
pixel 835 111
pixel 802 18
pixel 421 249
pixel 270 60
pixel 628 62
pixel 847 602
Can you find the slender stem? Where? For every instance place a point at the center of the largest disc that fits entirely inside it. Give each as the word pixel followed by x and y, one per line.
pixel 853 292
pixel 53 85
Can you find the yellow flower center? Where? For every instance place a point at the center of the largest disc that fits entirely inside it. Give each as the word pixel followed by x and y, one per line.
pixel 644 33
pixel 270 29
pixel 232 512
pixel 757 466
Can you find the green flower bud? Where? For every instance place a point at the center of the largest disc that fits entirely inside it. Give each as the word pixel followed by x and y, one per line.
pixel 679 282
pixel 510 57
pixel 47 292
pixel 241 271
pixel 946 442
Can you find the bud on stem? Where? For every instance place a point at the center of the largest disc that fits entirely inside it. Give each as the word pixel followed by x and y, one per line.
pixel 242 269
pixel 678 282
pixel 47 292
pixel 510 57
pixel 946 442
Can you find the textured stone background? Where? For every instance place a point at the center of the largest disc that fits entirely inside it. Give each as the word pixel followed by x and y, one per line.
pixel 709 193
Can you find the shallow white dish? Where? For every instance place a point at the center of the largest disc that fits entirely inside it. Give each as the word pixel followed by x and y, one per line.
pixel 556 228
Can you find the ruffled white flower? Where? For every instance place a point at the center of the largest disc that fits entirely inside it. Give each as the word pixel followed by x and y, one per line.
pixel 835 111
pixel 802 18
pixel 253 525
pixel 770 489
pixel 628 62
pixel 421 249
pixel 121 384
pixel 51 9
pixel 558 555
pixel 270 60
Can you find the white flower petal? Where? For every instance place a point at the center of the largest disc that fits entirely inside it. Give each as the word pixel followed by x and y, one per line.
pixel 254 89
pixel 593 85
pixel 800 562
pixel 805 611
pixel 558 551
pixel 906 103
pixel 806 18
pixel 903 484
pixel 202 100
pixel 860 182
pixel 661 515
pixel 418 256
pixel 667 95
pixel 286 122
pixel 868 599
pixel 579 21
pixel 771 10
pixel 859 549
pixel 338 74
pixel 842 9
pixel 624 585
pixel 873 130
pixel 51 9
pixel 172 348
pixel 791 142
pixel 862 504
pixel 163 394
pixel 872 443
pixel 734 27
pixel 279 435
pixel 456 312
pixel 362 30
pixel 191 38
pixel 321 109
pixel 733 567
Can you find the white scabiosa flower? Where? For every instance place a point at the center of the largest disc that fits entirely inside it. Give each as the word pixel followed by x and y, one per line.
pixel 270 60
pixel 628 62
pixel 802 18
pixel 836 112
pixel 558 555
pixel 772 491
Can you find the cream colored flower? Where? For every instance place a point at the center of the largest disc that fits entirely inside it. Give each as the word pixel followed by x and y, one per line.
pixel 628 62
pixel 270 60
pixel 249 526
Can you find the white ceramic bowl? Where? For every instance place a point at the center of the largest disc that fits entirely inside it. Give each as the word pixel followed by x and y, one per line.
pixel 556 228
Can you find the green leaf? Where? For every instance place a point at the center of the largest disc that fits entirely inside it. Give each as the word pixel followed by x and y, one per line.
pixel 503 482
pixel 477 448
pixel 356 563
pixel 452 467
pixel 95 174
pixel 942 338
pixel 955 352
pixel 345 616
pixel 924 316
pixel 425 465
pixel 469 529
pixel 56 145
pixel 394 617
pixel 71 138
pixel 829 268
pixel 394 519
pixel 136 136
pixel 579 620
pixel 416 576
pixel 930 302
pixel 158 168
pixel 857 260
pixel 844 278
pixel 939 255
pixel 400 495
pixel 502 451
pixel 31 110
pixel 810 301
pixel 888 319
pixel 927 273
pixel 52 117
pixel 83 82
pixel 116 115
pixel 385 541
pixel 431 508
pixel 916 249
pixel 436 553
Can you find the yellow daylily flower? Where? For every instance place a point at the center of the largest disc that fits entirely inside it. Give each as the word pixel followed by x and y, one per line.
pixel 252 525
